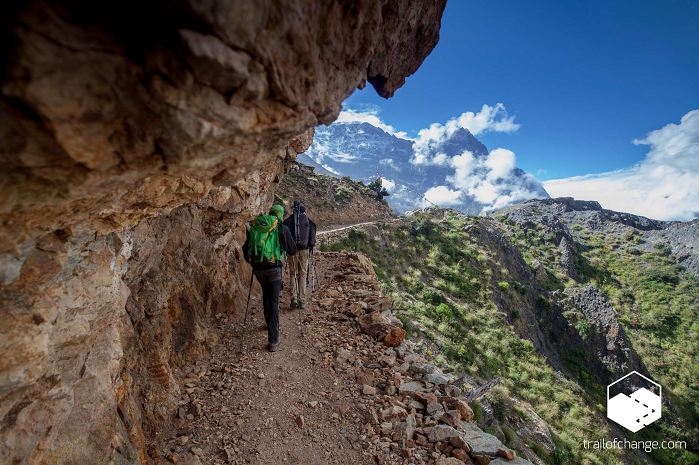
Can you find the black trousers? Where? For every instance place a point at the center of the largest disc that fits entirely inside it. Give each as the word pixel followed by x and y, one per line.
pixel 270 301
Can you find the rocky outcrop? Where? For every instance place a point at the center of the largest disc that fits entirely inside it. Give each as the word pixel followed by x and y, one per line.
pixel 137 143
pixel 331 201
pixel 413 411
pixel 568 249
pixel 401 23
pixel 607 340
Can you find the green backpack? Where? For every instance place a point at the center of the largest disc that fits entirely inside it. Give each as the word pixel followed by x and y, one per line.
pixel 264 244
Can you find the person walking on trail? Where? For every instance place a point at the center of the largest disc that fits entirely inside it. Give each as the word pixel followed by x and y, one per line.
pixel 305 238
pixel 267 242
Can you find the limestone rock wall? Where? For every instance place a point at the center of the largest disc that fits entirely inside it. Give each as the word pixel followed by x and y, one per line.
pixel 137 141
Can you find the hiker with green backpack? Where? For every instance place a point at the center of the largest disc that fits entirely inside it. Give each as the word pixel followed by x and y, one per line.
pixel 267 243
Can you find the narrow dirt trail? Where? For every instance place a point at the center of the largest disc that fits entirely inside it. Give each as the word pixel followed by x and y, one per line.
pixel 350 226
pixel 248 408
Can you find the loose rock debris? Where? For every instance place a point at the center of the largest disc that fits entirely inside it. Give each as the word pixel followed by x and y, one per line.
pixel 351 391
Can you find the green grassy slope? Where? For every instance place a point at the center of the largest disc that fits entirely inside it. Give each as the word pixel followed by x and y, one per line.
pixel 461 293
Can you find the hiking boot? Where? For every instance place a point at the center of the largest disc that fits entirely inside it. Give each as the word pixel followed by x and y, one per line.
pixel 273 347
pixel 294 303
pixel 302 305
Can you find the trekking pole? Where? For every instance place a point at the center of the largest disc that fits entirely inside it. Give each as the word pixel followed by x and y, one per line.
pixel 315 269
pixel 245 320
pixel 296 278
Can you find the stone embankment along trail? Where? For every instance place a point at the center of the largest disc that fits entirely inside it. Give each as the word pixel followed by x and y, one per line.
pixel 351 391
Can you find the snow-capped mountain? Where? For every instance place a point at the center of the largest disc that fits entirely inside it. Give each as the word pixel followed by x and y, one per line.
pixel 454 170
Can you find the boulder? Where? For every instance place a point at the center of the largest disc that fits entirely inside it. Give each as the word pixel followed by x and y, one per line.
pixel 425 397
pixel 438 378
pixel 451 403
pixel 482 443
pixel 407 429
pixel 411 387
pixel 440 433
pixel 395 336
pixel 394 412
pixel 461 455
pixel 435 410
pixel 451 418
pixel 422 368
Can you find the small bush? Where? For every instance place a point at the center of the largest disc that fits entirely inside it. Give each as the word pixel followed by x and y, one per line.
pixel 477 412
pixel 504 287
pixel 356 234
pixel 585 328
pixel 510 436
pixel 433 296
pixel 444 312
pixel 521 288
pixel 343 193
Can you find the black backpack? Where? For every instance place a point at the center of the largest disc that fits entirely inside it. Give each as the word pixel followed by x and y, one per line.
pixel 304 231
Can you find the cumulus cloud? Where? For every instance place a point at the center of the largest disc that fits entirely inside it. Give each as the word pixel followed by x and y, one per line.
pixel 665 185
pixel 442 195
pixel 488 119
pixel 389 185
pixel 493 180
pixel 369 114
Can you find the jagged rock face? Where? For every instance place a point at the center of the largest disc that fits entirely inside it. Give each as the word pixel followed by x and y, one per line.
pixel 137 141
pixel 94 110
pixel 401 22
pixel 609 343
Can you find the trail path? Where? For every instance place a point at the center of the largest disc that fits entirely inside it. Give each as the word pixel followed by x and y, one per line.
pixel 248 409
pixel 350 226
pixel 335 396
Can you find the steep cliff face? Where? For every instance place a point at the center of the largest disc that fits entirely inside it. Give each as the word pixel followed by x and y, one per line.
pixel 137 141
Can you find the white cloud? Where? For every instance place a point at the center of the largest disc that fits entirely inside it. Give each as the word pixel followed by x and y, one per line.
pixel 389 185
pixel 492 180
pixel 488 119
pixel 343 157
pixel 665 185
pixel 443 196
pixel 370 115
pixel 329 168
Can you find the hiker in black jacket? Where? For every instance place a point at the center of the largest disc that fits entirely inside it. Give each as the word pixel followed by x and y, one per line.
pixel 304 243
pixel 269 275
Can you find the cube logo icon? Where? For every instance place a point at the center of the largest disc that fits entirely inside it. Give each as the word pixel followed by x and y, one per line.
pixel 634 401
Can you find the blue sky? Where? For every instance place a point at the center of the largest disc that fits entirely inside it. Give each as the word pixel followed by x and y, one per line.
pixel 583 80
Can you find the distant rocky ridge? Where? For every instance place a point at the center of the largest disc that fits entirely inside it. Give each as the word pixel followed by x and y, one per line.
pixel 681 237
pixel 359 149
